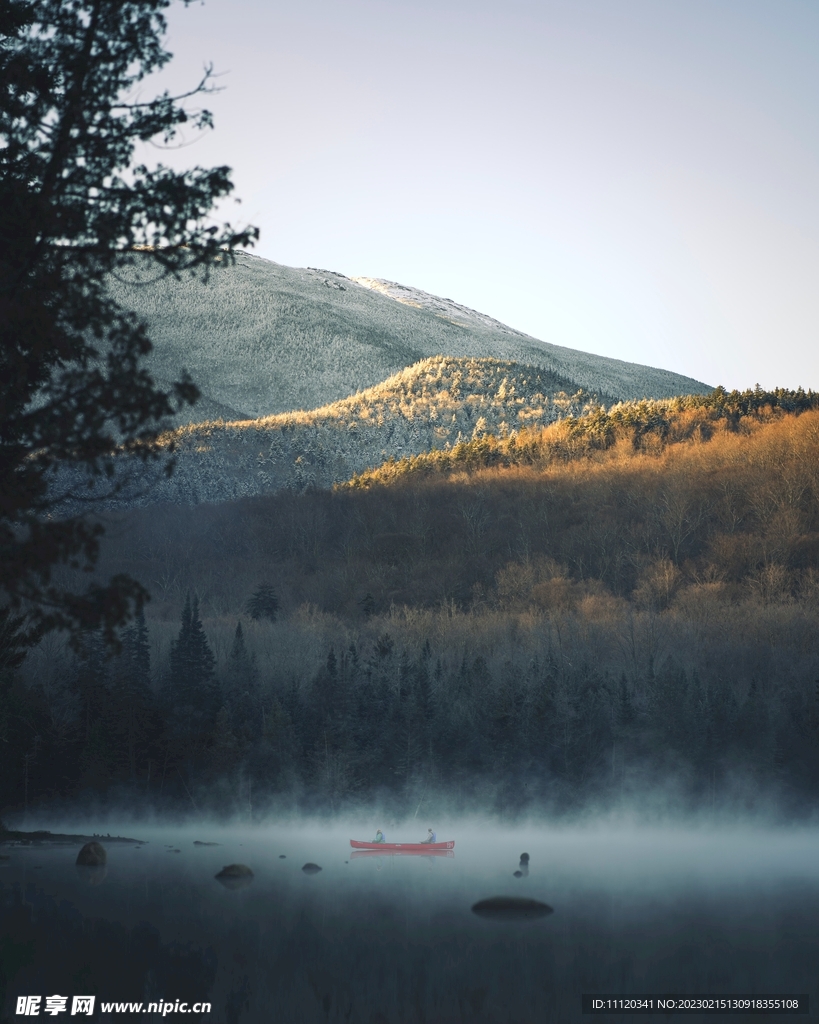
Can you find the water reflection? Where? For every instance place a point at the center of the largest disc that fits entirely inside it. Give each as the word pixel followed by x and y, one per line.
pixel 511 908
pixel 359 854
pixel 394 937
pixel 91 875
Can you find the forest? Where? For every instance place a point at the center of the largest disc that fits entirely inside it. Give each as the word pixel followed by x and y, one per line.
pixel 619 607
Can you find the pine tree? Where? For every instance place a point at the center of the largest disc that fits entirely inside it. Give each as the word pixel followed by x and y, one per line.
pixel 132 697
pixel 20 722
pixel 191 690
pixel 137 654
pixel 241 668
pixel 263 604
pixel 242 689
pixel 73 383
pixel 92 681
pixel 91 671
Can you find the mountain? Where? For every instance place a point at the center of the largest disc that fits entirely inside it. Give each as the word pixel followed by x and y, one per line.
pixel 309 377
pixel 261 338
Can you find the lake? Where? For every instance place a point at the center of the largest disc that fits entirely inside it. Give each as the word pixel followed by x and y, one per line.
pixel 377 939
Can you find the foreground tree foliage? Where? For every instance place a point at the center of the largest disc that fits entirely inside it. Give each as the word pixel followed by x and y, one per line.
pixel 73 211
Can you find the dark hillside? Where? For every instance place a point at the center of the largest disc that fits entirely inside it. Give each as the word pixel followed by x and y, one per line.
pixel 717 496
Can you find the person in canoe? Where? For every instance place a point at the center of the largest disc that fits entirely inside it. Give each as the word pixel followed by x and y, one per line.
pixel 380 837
pixel 431 837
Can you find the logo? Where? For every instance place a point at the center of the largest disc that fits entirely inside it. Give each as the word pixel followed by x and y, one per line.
pixel 29 1006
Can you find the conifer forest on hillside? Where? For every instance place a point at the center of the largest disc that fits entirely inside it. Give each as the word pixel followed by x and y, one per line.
pixel 619 605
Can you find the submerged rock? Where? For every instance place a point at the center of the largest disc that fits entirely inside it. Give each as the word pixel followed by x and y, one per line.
pixel 282 856
pixel 524 858
pixel 92 855
pixel 198 842
pixel 235 871
pixel 518 874
pixel 311 869
pixel 511 908
pixel 235 876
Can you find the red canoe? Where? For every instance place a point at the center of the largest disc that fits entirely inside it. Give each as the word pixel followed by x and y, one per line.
pixel 407 847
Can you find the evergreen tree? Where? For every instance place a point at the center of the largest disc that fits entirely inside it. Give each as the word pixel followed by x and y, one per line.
pixel 191 690
pixel 19 722
pixel 241 667
pixel 73 385
pixel 263 604
pixel 91 668
pixel 136 654
pixel 92 675
pixel 242 690
pixel 133 699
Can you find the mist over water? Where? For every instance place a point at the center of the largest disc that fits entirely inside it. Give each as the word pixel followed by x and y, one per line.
pixel 377 938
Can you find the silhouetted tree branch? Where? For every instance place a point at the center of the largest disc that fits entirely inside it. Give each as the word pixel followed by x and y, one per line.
pixel 73 387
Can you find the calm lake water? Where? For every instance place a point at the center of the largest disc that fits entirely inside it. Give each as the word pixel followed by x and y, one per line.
pixel 377 939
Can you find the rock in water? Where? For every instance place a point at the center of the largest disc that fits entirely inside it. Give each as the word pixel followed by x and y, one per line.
pixel 311 869
pixel 92 855
pixel 511 908
pixel 235 876
pixel 235 871
pixel 518 874
pixel 198 842
pixel 524 858
pixel 91 861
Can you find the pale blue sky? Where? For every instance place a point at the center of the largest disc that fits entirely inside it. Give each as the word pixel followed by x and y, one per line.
pixel 636 178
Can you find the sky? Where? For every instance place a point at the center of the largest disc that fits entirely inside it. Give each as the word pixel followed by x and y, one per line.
pixel 634 178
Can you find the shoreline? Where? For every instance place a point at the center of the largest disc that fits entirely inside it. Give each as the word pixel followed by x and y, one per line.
pixel 9 837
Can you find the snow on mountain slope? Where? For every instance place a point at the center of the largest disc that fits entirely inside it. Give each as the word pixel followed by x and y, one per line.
pixel 434 404
pixel 260 338
pixel 446 309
